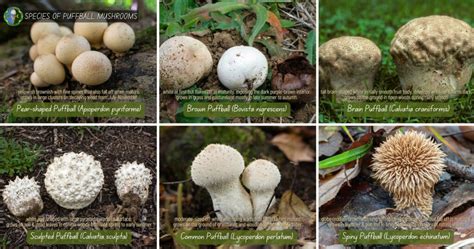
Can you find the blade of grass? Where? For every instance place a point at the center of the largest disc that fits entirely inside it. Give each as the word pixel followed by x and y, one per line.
pixel 348 133
pixel 203 11
pixel 445 142
pixel 310 47
pixel 262 16
pixel 346 156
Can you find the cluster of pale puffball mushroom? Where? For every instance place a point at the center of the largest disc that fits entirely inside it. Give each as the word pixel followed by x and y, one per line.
pixel 57 46
pixel 73 181
pixel 221 170
pixel 432 54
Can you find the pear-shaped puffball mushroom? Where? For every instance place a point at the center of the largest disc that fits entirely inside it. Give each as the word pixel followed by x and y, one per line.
pixel 22 197
pixel 183 62
pixel 74 180
pixel 133 178
pixel 218 168
pixel 71 46
pixel 261 177
pixel 43 28
pixel 49 69
pixel 37 81
pixel 33 52
pixel 91 68
pixel 47 44
pixel 65 30
pixel 349 63
pixel 119 37
pixel 434 54
pixel 242 67
pixel 92 27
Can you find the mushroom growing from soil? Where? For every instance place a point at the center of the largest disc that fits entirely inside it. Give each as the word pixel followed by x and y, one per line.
pixel 261 177
pixel 183 62
pixel 71 46
pixel 133 179
pixel 119 37
pixel 434 54
pixel 37 81
pixel 91 68
pixel 242 67
pixel 91 27
pixel 42 28
pixel 47 44
pixel 408 166
pixel 33 52
pixel 218 168
pixel 349 63
pixel 49 69
pixel 22 197
pixel 74 180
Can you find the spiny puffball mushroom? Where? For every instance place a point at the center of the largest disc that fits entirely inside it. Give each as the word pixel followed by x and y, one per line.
pixel 49 69
pixel 434 53
pixel 408 166
pixel 183 62
pixel 242 67
pixel 71 46
pixel 74 180
pixel 218 168
pixel 37 81
pixel 47 44
pixel 91 68
pixel 33 52
pixel 22 197
pixel 133 178
pixel 349 63
pixel 261 177
pixel 119 37
pixel 65 30
pixel 43 28
pixel 92 27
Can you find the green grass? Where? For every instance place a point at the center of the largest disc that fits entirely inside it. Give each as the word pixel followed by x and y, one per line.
pixel 17 158
pixel 378 21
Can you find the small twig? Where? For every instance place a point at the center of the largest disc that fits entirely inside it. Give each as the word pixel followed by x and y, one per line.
pixel 460 170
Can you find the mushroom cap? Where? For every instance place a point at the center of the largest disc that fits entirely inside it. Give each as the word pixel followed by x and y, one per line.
pixel 43 28
pixel 133 178
pixel 70 46
pixel 37 81
pixel 91 68
pixel 183 62
pixel 242 67
pixel 22 197
pixel 216 164
pixel 65 30
pixel 119 37
pixel 33 52
pixel 92 28
pixel 261 175
pixel 49 69
pixel 47 44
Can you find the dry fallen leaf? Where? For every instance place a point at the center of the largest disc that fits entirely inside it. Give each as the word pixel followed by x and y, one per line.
pixel 330 186
pixel 294 148
pixel 332 145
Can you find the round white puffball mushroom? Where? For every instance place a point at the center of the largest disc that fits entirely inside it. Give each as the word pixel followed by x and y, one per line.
pixel 43 28
pixel 71 46
pixel 92 27
pixel 74 180
pixel 33 52
pixel 22 197
pixel 183 62
pixel 119 37
pixel 37 81
pixel 242 67
pixel 49 69
pixel 91 68
pixel 133 179
pixel 47 44
pixel 65 30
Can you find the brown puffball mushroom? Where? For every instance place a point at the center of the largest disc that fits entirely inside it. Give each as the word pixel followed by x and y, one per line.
pixel 408 166
pixel 71 46
pixel 65 30
pixel 37 81
pixel 434 54
pixel 119 37
pixel 49 69
pixel 183 62
pixel 92 29
pixel 33 52
pixel 91 68
pixel 467 132
pixel 47 44
pixel 43 28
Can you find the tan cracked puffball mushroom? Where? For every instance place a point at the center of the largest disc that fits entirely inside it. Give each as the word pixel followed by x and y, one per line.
pixel 22 197
pixel 183 62
pixel 218 168
pixel 434 54
pixel 33 53
pixel 42 28
pixel 91 68
pixel 65 30
pixel 261 177
pixel 92 27
pixel 349 63
pixel 408 166
pixel 119 37
pixel 49 69
pixel 71 46
pixel 47 44
pixel 37 81
pixel 133 179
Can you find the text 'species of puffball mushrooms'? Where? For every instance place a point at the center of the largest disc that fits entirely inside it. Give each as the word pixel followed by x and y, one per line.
pixel 92 68
pixel 183 62
pixel 92 27
pixel 218 168
pixel 22 197
pixel 74 180
pixel 42 28
pixel 242 67
pixel 37 81
pixel 49 69
pixel 71 46
pixel 119 37
pixel 408 166
pixel 133 178
pixel 65 30
pixel 434 54
pixel 349 63
pixel 261 177
pixel 47 44
pixel 33 52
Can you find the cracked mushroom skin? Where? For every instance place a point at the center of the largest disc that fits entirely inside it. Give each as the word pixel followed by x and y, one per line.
pixel 349 63
pixel 408 166
pixel 22 197
pixel 74 180
pixel 133 178
pixel 218 168
pixel 183 62
pixel 434 53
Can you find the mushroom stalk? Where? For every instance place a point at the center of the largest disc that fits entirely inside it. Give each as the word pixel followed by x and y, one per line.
pixel 224 200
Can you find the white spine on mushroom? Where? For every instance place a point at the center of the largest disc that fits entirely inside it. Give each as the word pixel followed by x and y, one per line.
pixel 133 178
pixel 218 168
pixel 22 197
pixel 74 180
pixel 261 177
